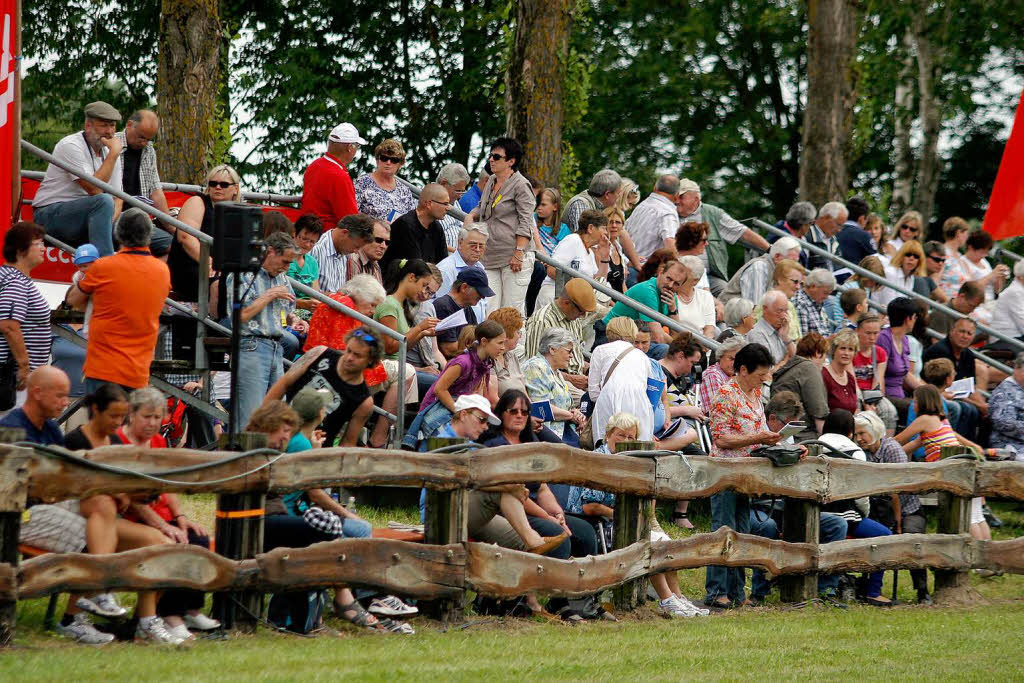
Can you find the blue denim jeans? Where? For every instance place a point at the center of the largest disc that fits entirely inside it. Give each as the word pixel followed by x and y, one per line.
pixel 869 528
pixel 88 219
pixel 761 524
pixel 356 528
pixel 730 509
pixel 260 364
pixel 830 528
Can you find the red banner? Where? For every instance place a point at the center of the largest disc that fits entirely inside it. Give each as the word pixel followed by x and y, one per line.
pixel 8 76
pixel 1005 215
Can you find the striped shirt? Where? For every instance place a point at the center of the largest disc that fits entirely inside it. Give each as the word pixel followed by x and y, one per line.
pixel 333 266
pixel 811 315
pixel 546 318
pixel 934 441
pixel 149 177
pixel 451 227
pixel 21 301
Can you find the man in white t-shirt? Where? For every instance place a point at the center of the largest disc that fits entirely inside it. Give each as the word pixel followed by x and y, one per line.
pixel 654 222
pixel 72 209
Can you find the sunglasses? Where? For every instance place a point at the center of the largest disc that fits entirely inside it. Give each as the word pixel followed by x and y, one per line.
pixel 222 184
pixel 910 228
pixel 364 337
pixel 937 259
pixel 394 160
pixel 517 411
pixel 382 240
pixel 497 157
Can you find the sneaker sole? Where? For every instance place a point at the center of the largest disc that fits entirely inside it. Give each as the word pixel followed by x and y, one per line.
pixel 387 612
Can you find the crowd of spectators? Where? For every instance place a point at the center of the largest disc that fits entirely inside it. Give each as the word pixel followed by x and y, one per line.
pixel 503 348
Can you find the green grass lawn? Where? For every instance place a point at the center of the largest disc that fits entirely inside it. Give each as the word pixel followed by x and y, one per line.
pixel 769 643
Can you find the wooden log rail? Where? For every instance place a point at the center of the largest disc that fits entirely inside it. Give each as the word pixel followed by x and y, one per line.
pixel 433 572
pixel 818 479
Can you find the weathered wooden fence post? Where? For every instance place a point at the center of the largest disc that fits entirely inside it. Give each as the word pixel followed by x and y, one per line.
pixel 800 523
pixel 239 536
pixel 445 523
pixel 954 517
pixel 632 523
pixel 13 493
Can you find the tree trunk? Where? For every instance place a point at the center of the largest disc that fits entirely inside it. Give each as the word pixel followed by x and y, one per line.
pixel 929 164
pixel 903 183
pixel 831 86
pixel 534 84
pixel 188 85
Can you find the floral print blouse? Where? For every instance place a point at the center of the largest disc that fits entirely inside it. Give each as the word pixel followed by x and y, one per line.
pixel 375 201
pixel 733 412
pixel 545 384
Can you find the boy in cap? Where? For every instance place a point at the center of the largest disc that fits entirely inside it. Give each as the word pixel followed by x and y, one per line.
pixel 70 207
pixel 84 257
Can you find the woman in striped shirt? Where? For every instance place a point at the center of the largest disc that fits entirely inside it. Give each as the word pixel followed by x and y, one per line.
pixel 24 313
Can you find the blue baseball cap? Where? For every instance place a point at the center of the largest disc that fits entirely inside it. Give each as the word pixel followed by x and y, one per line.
pixel 86 253
pixel 477 279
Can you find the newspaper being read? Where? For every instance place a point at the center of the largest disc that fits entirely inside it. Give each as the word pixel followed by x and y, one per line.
pixel 962 388
pixel 456 319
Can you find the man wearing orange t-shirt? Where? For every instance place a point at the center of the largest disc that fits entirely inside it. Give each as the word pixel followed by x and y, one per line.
pixel 128 290
pixel 327 188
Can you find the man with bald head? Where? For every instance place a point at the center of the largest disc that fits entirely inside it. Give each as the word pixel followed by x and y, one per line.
pixel 418 234
pixel 48 388
pixel 772 329
pixel 139 176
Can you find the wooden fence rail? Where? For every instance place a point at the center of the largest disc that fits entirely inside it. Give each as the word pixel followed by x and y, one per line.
pixel 447 565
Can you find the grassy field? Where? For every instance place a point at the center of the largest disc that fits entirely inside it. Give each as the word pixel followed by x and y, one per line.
pixel 772 642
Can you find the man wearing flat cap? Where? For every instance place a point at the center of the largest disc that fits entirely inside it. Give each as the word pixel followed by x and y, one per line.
pixel 72 209
pixel 568 311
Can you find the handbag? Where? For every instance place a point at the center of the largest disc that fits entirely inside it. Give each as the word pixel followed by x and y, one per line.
pixel 587 430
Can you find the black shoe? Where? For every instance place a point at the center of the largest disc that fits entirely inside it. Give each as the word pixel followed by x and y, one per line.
pixel 993 521
pixel 923 598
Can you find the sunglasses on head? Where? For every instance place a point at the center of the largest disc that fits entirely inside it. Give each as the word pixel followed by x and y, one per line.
pixel 364 337
pixel 394 160
pixel 222 184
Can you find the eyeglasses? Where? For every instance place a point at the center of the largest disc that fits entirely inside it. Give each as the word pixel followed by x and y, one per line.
pixel 479 416
pixel 394 160
pixel 475 245
pixel 222 184
pixel 517 411
pixel 441 203
pixel 796 281
pixel 497 157
pixel 382 240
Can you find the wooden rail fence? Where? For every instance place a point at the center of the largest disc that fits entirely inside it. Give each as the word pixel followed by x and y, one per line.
pixel 445 567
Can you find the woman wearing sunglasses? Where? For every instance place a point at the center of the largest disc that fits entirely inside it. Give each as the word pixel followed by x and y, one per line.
pixel 908 229
pixel 380 194
pixel 222 185
pixel 507 205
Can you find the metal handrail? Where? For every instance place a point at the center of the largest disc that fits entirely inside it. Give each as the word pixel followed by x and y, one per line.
pixel 198 189
pixel 673 325
pixel 110 189
pixel 881 280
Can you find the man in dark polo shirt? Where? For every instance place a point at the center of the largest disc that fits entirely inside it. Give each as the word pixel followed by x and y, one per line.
pixel 418 234
pixel 469 288
pixel 957 348
pixel 47 397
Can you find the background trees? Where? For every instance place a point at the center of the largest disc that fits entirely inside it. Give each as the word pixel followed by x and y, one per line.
pixel 743 96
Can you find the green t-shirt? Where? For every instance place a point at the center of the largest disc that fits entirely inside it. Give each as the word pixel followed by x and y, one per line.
pixel 307 274
pixel 645 293
pixel 391 306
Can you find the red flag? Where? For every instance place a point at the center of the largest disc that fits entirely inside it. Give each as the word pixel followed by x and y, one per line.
pixel 1005 215
pixel 8 74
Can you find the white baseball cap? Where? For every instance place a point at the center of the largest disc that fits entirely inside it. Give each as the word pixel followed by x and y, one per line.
pixel 346 132
pixel 467 401
pixel 687 185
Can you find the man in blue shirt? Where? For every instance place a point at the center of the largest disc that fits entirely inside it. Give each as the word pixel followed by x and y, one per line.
pixel 854 241
pixel 47 397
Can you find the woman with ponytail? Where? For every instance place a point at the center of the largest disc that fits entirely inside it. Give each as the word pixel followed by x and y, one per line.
pixel 467 373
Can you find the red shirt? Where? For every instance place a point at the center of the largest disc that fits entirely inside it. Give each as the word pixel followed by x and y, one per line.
pixel 159 505
pixel 840 396
pixel 327 191
pixel 864 369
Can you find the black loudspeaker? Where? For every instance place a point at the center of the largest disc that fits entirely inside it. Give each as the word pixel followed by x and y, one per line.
pixel 237 237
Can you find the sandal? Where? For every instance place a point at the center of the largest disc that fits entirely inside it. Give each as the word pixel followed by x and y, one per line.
pixel 681 520
pixel 360 617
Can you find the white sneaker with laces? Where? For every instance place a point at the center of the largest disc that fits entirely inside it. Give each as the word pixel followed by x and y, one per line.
pixel 690 607
pixel 673 609
pixel 390 606
pixel 156 632
pixel 102 605
pixel 180 631
pixel 201 622
pixel 82 631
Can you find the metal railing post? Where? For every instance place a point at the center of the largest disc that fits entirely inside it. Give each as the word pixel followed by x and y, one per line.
pixel 814 249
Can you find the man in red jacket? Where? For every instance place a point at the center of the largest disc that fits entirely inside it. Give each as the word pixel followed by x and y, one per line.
pixel 327 188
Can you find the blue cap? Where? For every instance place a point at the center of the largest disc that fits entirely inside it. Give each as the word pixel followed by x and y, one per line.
pixel 86 253
pixel 477 279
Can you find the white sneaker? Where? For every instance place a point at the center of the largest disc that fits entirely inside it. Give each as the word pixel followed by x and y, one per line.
pixel 156 632
pixel 102 605
pixel 673 609
pixel 200 622
pixel 390 606
pixel 82 631
pixel 690 607
pixel 180 631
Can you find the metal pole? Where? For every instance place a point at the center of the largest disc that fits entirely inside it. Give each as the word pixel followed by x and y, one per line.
pixel 882 281
pixel 400 408
pixel 110 189
pixel 673 325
